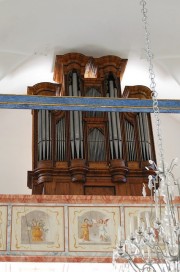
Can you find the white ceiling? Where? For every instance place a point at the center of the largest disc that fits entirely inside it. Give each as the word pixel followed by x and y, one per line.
pixel 32 32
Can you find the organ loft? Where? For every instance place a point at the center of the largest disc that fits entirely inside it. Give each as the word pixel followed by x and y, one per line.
pixel 90 152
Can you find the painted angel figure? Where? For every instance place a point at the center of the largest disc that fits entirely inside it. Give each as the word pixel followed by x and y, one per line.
pixel 102 225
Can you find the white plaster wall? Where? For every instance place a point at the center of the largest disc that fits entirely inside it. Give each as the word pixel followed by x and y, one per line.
pixel 15 147
pixel 15 150
pixel 170 129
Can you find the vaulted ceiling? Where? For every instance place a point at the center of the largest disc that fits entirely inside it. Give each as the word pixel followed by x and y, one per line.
pixel 32 32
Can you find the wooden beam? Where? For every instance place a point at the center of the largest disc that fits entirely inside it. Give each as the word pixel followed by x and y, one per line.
pixel 85 103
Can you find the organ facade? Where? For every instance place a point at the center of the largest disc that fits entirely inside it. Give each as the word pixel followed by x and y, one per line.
pixel 90 152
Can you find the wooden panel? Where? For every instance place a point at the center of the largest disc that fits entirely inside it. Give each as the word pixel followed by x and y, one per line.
pixel 136 189
pixel 38 189
pixel 76 188
pixel 49 188
pixel 99 190
pixel 62 188
pixel 123 189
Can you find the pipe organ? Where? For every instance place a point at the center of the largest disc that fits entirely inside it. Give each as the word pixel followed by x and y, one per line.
pixel 90 152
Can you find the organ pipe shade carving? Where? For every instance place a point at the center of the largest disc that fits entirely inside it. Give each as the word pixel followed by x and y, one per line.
pixel 44 135
pixel 90 69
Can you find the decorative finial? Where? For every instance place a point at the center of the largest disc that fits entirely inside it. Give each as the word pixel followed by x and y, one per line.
pixel 90 69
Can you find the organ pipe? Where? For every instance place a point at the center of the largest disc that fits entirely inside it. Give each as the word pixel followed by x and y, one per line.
pixel 114 127
pixel 47 133
pixel 96 145
pixel 60 138
pixel 110 135
pixel 93 92
pixel 39 136
pixel 44 135
pixel 144 135
pixel 130 141
pixel 81 129
pixel 76 132
pixel 71 127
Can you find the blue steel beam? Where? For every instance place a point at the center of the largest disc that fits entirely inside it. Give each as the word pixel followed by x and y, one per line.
pixel 85 103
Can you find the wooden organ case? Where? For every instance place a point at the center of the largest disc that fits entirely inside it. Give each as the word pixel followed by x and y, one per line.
pixel 90 152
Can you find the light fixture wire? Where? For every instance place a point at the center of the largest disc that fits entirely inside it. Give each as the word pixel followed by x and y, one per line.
pixel 154 93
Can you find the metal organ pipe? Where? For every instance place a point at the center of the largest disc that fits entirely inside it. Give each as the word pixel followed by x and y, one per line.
pixel 110 135
pixel 39 136
pixel 76 132
pixel 93 92
pixel 127 141
pixel 144 136
pixel 96 145
pixel 64 139
pixel 130 141
pixel 44 135
pixel 71 126
pixel 60 138
pixel 50 140
pixel 81 129
pixel 147 136
pixel 57 142
pixel 114 127
pixel 96 140
pixel 47 134
pixel 133 145
pixel 76 116
pixel 118 129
